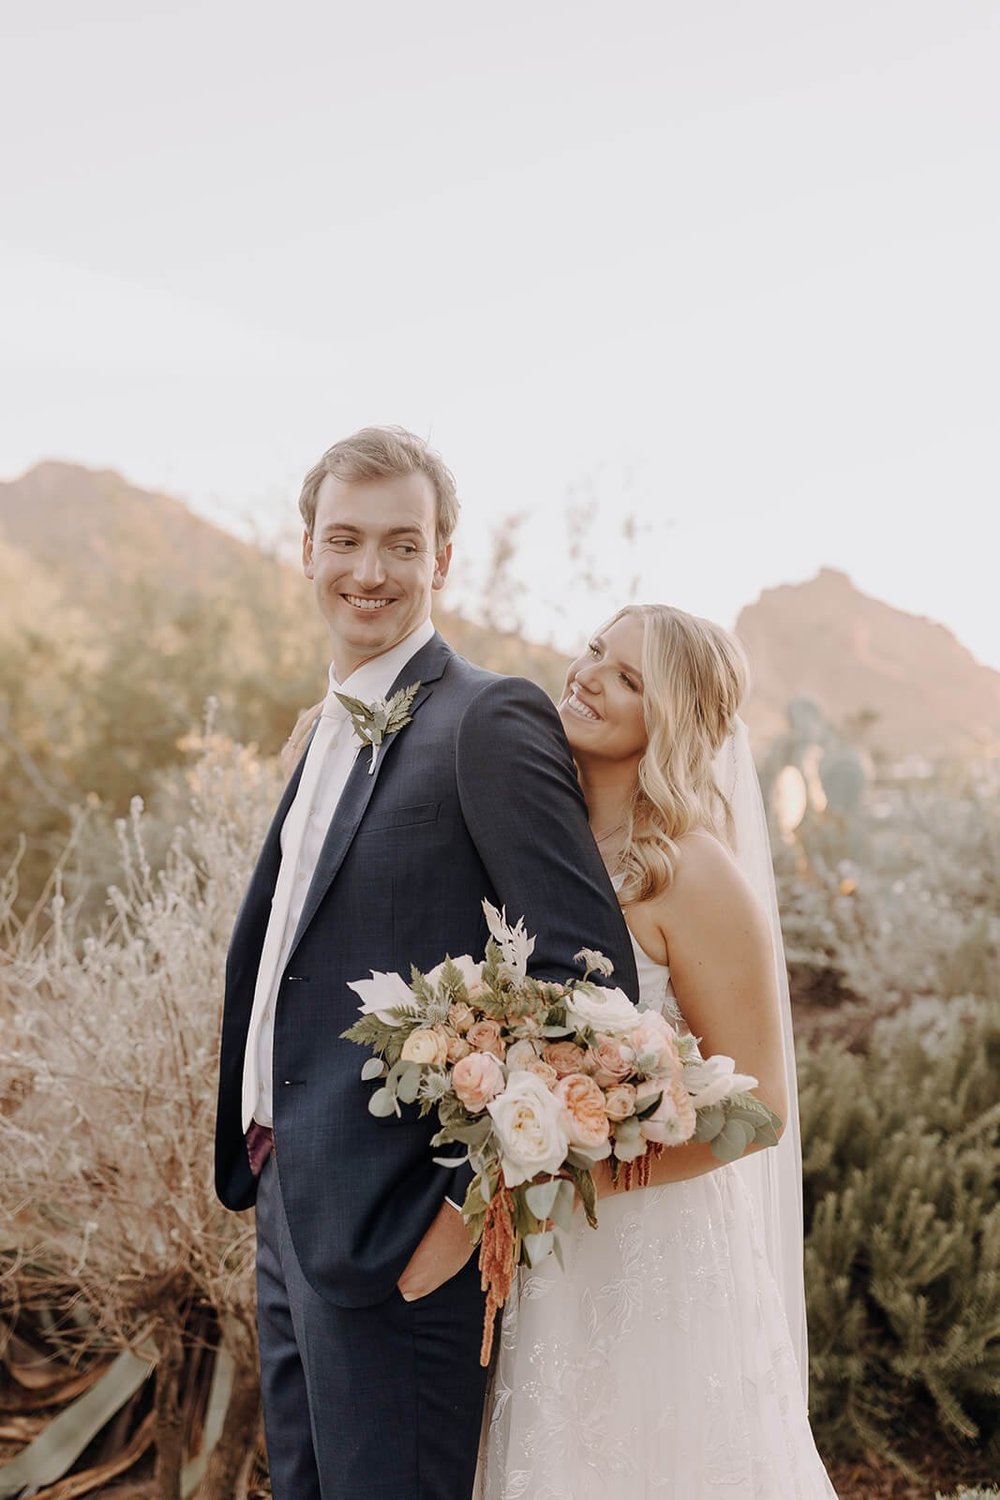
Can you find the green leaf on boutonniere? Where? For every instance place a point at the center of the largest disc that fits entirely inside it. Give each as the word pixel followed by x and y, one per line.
pixel 374 722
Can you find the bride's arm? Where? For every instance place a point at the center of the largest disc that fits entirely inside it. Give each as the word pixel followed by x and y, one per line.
pixel 718 945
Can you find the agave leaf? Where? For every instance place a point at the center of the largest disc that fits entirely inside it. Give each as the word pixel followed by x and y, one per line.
pixel 57 1448
pixel 220 1393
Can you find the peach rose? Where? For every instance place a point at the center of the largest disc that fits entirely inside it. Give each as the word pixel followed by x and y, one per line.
pixel 673 1120
pixel 486 1036
pixel 542 1070
pixel 458 1048
pixel 619 1101
pixel 611 1059
pixel 584 1116
pixel 565 1057
pixel 425 1046
pixel 461 1016
pixel 476 1079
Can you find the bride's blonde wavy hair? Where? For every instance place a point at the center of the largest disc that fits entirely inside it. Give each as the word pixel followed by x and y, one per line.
pixel 695 677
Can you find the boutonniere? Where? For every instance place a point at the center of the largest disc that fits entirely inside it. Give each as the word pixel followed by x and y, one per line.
pixel 373 722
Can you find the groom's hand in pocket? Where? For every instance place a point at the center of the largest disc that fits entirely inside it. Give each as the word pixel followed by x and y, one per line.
pixel 440 1255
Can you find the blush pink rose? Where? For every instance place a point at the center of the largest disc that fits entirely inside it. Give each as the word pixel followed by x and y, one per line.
pixel 619 1101
pixel 542 1070
pixel 611 1059
pixel 584 1117
pixel 458 1048
pixel 461 1016
pixel 565 1057
pixel 477 1079
pixel 485 1036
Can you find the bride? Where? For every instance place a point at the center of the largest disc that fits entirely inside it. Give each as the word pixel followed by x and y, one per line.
pixel 668 1358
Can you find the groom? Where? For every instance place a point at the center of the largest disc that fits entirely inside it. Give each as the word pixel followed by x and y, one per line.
pixel 369 1303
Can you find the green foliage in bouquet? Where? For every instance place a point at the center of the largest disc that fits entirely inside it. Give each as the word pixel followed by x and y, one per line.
pixel 902 1203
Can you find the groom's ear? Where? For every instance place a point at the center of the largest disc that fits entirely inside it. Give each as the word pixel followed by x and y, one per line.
pixel 307 554
pixel 442 562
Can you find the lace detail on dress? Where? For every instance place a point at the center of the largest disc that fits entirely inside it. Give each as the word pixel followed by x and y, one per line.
pixel 657 1365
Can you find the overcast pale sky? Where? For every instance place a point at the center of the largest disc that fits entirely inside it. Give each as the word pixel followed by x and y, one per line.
pixel 729 266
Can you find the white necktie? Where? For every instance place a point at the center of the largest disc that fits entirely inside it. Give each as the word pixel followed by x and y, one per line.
pixel 332 719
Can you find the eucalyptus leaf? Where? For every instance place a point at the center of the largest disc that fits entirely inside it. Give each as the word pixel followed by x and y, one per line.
pixel 709 1122
pixel 474 1134
pixel 540 1197
pixel 561 1212
pixel 731 1141
pixel 577 1162
pixel 409 1083
pixel 538 1246
pixel 382 1104
pixel 373 1068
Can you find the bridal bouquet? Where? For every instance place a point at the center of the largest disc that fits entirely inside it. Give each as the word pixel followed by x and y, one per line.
pixel 538 1082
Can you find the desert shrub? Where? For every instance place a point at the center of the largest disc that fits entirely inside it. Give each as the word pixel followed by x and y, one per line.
pixel 902 1196
pixel 108 1054
pixel 919 918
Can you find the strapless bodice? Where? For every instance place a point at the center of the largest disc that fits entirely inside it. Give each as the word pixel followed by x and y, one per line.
pixel 655 992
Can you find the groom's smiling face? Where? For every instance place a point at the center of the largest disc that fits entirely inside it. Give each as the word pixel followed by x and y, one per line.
pixel 374 563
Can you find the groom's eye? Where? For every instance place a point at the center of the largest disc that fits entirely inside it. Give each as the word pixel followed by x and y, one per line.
pixel 594 648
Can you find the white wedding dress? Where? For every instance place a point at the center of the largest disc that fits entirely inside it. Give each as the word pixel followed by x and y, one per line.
pixel 658 1365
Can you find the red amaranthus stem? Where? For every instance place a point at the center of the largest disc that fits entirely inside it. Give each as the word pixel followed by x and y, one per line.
pixel 637 1173
pixel 496 1263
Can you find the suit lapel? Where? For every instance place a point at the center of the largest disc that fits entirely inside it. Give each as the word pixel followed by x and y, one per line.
pixel 425 667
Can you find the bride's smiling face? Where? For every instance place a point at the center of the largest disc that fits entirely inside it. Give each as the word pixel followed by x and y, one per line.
pixel 601 707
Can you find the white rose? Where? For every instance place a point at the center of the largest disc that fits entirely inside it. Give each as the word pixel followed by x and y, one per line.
pixel 527 1119
pixel 715 1079
pixel 605 1010
pixel 520 1055
pixel 471 972
pixel 382 993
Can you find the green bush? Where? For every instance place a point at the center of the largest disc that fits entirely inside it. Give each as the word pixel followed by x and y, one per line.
pixel 902 1203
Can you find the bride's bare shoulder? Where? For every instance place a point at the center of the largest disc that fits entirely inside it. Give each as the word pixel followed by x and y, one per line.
pixel 706 880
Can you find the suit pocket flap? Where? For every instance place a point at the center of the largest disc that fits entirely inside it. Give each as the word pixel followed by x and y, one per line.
pixel 400 817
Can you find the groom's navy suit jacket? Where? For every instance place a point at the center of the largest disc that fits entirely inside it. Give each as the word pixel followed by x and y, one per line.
pixel 476 797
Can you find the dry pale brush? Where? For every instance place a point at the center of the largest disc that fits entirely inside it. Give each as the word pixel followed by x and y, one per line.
pixel 107 1086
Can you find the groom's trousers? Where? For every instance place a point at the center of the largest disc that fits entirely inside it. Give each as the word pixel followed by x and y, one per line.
pixel 370 1403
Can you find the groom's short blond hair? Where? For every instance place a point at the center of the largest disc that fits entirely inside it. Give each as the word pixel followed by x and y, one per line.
pixel 384 453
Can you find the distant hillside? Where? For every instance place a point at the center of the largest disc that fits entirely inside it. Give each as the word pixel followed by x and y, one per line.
pixel 856 656
pixel 101 550
pixel 92 535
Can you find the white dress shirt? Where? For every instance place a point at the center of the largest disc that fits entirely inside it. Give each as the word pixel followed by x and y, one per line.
pixel 331 754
